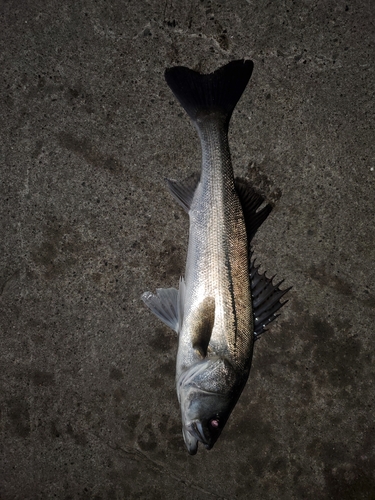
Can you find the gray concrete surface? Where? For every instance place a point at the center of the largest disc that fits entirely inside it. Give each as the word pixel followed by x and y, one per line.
pixel 89 130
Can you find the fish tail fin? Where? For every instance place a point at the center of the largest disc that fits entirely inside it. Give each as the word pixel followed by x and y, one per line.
pixel 215 93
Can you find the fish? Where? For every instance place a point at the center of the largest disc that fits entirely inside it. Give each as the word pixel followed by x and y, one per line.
pixel 223 303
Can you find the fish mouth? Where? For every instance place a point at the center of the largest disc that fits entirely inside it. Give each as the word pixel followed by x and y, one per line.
pixel 190 441
pixel 193 434
pixel 196 430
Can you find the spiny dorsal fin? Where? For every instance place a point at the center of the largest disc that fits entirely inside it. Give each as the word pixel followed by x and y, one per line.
pixel 266 299
pixel 250 202
pixel 183 191
pixel 202 95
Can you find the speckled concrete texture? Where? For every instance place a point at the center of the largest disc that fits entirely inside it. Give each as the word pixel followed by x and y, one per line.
pixel 89 130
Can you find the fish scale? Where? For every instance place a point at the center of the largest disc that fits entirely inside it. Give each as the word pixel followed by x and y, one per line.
pixel 217 262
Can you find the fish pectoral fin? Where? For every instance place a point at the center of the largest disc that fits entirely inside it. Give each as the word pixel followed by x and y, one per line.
pixel 202 324
pixel 250 201
pixel 181 303
pixel 164 305
pixel 266 299
pixel 183 191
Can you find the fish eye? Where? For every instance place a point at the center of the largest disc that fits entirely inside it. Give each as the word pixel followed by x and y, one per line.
pixel 214 423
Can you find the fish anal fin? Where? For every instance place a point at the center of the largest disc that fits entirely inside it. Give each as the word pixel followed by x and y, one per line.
pixel 250 201
pixel 183 191
pixel 202 325
pixel 266 299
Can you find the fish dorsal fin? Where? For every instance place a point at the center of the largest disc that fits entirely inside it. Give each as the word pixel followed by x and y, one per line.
pixel 202 325
pixel 266 299
pixel 250 202
pixel 164 305
pixel 183 191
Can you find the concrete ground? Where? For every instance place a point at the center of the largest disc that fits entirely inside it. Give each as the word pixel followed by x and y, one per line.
pixel 89 131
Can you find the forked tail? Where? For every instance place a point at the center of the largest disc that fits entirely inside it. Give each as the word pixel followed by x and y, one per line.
pixel 215 93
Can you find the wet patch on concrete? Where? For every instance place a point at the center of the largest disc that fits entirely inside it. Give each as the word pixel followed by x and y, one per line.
pixel 84 148
pixel 19 417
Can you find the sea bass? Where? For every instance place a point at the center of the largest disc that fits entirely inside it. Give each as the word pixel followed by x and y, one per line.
pixel 224 303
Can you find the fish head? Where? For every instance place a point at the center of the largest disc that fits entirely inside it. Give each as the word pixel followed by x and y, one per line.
pixel 207 392
pixel 203 419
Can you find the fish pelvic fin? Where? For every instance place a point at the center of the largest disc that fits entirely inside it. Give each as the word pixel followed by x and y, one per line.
pixel 250 201
pixel 215 93
pixel 266 299
pixel 164 304
pixel 168 305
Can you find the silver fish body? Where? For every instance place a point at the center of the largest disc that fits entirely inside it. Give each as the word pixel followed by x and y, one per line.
pixel 217 285
pixel 213 312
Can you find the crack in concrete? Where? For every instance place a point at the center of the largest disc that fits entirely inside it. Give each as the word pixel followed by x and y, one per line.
pixel 139 456
pixel 6 283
